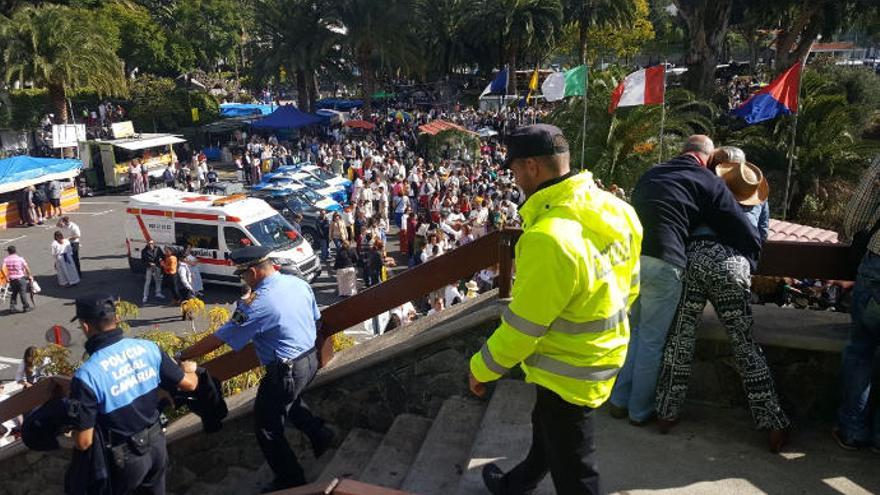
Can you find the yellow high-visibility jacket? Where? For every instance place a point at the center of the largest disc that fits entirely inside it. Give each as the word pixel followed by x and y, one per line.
pixel 577 273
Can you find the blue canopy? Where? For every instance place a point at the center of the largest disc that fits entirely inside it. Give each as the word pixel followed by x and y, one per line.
pixel 245 109
pixel 289 117
pixel 22 171
pixel 339 103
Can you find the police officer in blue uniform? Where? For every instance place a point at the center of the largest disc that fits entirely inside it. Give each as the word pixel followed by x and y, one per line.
pixel 280 317
pixel 116 392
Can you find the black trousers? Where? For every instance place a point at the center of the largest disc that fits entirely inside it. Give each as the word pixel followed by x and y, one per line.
pixel 75 248
pixel 278 402
pixel 19 289
pixel 142 474
pixel 562 444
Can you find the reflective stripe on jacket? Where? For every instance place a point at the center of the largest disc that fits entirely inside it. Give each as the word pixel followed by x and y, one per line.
pixel 577 273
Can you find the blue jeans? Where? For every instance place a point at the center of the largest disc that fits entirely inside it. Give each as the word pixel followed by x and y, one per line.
pixel 650 319
pixel 858 357
pixel 325 249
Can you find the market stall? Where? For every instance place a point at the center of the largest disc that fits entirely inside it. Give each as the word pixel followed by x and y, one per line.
pixel 19 172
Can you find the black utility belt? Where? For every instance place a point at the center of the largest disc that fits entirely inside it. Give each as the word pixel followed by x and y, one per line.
pixel 137 444
pixel 291 361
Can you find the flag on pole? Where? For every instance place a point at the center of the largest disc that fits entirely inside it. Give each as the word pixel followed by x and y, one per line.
pixel 498 85
pixel 642 87
pixel 558 85
pixel 780 97
pixel 533 85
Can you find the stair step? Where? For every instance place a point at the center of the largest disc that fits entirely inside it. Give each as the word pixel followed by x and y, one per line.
pixel 443 455
pixel 394 456
pixel 353 455
pixel 504 437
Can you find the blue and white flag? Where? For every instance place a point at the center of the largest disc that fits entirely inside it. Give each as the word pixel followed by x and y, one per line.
pixel 498 85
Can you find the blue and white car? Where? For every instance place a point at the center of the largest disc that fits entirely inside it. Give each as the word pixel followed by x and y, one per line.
pixel 326 176
pixel 303 193
pixel 338 193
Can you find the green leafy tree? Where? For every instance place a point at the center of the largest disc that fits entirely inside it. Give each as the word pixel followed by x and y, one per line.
pixel 376 34
pixel 524 29
pixel 444 40
pixel 586 14
pixel 210 28
pixel 142 39
pixel 624 44
pixel 828 146
pixel 56 48
pixel 297 38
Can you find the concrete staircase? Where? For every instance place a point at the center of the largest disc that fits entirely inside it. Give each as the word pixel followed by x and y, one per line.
pixel 417 454
pixel 444 455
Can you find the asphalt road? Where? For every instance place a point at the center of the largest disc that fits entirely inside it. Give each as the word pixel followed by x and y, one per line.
pixel 105 270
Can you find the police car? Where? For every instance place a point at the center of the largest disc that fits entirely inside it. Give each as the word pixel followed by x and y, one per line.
pixel 326 176
pixel 214 226
pixel 337 193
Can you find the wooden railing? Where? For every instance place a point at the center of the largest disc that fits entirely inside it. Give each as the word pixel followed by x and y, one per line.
pixel 790 259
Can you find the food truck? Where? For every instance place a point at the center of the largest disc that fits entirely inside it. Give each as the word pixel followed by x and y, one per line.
pixel 109 159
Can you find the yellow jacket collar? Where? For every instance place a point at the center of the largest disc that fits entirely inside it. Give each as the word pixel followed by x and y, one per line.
pixel 562 193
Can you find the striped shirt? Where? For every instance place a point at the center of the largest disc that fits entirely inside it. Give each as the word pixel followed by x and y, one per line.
pixel 864 207
pixel 15 267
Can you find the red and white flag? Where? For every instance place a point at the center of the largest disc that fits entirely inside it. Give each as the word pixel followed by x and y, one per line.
pixel 642 87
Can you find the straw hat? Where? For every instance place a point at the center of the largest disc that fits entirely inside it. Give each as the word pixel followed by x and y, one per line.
pixel 745 181
pixel 471 286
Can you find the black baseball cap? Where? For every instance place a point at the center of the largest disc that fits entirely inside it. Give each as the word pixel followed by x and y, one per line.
pixel 534 140
pixel 94 307
pixel 249 256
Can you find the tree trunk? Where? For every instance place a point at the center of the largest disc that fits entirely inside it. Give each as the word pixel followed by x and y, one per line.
pixel 313 89
pixel 707 22
pixel 582 40
pixel 302 90
pixel 58 100
pixel 795 41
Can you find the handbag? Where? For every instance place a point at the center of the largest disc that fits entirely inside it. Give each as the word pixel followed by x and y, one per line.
pixel 35 287
pixel 859 245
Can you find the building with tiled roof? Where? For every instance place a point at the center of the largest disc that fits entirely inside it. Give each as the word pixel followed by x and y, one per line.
pixel 787 231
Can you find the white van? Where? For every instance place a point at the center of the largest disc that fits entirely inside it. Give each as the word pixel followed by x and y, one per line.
pixel 214 226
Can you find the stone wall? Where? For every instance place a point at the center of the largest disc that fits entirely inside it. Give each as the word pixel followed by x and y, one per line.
pixel 415 369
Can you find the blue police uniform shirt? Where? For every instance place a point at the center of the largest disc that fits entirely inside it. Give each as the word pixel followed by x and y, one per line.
pixel 280 319
pixel 117 388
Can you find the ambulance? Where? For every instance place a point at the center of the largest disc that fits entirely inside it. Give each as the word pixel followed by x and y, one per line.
pixel 214 226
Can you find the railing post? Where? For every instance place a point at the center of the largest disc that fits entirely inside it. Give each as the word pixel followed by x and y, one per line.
pixel 505 265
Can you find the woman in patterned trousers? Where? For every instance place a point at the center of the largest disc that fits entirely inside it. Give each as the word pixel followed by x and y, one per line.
pixel 720 275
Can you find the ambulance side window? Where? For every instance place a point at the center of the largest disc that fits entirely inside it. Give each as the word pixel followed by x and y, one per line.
pixel 234 237
pixel 200 236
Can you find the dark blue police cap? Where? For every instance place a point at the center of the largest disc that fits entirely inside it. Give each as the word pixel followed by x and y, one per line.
pixel 94 307
pixel 249 256
pixel 534 140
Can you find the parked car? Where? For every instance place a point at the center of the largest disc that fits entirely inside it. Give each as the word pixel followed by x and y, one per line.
pixel 337 193
pixel 292 200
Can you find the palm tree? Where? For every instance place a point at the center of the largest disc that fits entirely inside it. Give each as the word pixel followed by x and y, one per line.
pixel 297 36
pixel 525 28
pixel 60 49
pixel 442 26
pixel 589 13
pixel 378 36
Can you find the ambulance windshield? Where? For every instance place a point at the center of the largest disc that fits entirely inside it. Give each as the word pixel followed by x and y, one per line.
pixel 275 233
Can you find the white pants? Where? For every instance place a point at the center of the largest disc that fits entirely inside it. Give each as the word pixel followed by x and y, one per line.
pixel 154 274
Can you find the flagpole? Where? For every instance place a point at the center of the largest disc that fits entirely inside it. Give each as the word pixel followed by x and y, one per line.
pixel 584 121
pixel 663 113
pixel 791 148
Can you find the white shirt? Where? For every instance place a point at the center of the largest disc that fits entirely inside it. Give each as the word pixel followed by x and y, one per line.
pixel 71 232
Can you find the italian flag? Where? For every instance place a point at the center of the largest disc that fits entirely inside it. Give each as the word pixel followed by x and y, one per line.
pixel 558 85
pixel 642 87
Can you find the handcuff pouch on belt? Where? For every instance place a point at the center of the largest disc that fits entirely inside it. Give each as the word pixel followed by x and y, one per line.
pixel 137 444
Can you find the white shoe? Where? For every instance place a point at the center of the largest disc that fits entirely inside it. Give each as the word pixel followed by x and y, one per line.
pixel 144 301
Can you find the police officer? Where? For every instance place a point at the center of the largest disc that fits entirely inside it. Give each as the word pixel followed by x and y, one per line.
pixel 116 392
pixel 280 317
pixel 566 326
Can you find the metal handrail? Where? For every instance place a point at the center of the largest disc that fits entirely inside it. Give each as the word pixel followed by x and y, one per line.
pixel 779 258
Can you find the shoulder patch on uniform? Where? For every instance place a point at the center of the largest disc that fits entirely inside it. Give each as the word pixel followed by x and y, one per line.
pixel 239 317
